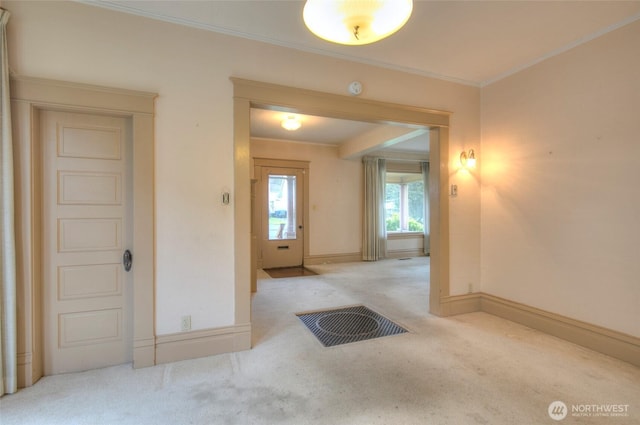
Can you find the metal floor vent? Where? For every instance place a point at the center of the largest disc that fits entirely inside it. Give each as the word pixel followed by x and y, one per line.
pixel 349 324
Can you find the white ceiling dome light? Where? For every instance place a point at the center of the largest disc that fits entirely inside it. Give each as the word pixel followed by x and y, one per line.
pixel 291 123
pixel 356 22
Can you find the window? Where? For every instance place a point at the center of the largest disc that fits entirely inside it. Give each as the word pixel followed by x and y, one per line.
pixel 404 202
pixel 282 207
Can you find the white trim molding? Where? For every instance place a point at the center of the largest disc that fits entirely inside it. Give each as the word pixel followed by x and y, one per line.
pixel 405 253
pixel 350 257
pixel 460 304
pixel 202 343
pixel 606 341
pixel 612 343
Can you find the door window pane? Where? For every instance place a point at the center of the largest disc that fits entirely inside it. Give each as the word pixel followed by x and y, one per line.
pixel 282 207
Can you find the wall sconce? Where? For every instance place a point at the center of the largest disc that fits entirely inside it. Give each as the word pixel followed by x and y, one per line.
pixel 468 159
pixel 291 123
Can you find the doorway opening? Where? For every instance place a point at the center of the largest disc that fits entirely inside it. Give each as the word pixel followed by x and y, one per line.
pixel 280 213
pixel 251 94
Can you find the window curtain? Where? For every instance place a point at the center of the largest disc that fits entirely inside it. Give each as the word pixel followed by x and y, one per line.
pixel 8 348
pixel 374 232
pixel 425 180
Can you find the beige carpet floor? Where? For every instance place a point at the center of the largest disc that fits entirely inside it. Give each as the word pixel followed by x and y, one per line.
pixel 469 369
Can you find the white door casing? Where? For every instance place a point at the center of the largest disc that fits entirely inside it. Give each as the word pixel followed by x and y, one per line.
pixel 86 227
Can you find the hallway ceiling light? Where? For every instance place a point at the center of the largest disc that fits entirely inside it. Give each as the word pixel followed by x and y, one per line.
pixel 356 22
pixel 291 123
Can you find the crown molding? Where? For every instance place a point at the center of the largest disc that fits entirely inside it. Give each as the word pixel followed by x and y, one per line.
pixel 561 50
pixel 269 40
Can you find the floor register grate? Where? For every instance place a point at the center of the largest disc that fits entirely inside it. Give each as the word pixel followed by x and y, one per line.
pixel 348 324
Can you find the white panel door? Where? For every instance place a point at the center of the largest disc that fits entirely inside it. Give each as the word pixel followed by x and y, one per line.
pixel 87 293
pixel 282 226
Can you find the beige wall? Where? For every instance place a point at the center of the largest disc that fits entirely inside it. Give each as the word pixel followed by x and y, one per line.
pixel 560 175
pixel 190 70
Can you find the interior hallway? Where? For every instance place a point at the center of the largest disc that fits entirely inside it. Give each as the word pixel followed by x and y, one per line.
pixel 468 369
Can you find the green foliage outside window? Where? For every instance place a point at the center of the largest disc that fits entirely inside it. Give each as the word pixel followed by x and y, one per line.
pixel 393 223
pixel 407 197
pixel 415 225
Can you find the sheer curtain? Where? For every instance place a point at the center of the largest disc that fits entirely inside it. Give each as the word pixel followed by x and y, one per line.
pixel 374 232
pixel 425 179
pixel 8 349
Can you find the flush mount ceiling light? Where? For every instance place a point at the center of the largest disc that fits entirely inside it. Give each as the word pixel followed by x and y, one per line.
pixel 291 123
pixel 356 22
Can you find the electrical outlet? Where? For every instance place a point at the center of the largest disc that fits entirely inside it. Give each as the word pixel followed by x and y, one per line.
pixel 185 323
pixel 470 287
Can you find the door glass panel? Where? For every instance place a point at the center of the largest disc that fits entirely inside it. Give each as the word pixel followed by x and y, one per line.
pixel 282 207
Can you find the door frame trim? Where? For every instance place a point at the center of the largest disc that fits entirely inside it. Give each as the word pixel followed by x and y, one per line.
pixel 254 94
pixel 258 165
pixel 28 97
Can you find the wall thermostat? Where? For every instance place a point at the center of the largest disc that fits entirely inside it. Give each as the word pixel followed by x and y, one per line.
pixel 355 88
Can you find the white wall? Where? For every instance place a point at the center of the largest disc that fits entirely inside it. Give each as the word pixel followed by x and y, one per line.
pixel 190 70
pixel 560 175
pixel 335 194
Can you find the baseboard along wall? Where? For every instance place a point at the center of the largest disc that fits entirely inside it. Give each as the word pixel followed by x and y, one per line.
pixel 352 257
pixel 349 257
pixel 208 342
pixel 202 343
pixel 402 253
pixel 606 341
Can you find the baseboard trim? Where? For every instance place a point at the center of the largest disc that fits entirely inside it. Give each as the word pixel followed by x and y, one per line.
pixel 202 343
pixel 401 253
pixel 350 257
pixel 25 370
pixel 606 341
pixel 460 304
pixel 143 353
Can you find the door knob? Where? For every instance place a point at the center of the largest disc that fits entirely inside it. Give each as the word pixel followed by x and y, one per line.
pixel 127 260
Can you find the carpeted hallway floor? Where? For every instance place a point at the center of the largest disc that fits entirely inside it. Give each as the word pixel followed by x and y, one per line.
pixel 469 369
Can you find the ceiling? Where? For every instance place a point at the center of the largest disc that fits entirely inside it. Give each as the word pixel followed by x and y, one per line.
pixel 469 42
pixel 396 139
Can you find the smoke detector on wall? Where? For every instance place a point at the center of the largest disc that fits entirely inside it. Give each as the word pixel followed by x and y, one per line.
pixel 355 88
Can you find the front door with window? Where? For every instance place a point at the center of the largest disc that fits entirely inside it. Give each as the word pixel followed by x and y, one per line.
pixel 282 212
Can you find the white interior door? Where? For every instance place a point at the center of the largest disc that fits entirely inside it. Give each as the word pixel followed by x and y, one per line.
pixel 282 213
pixel 86 194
